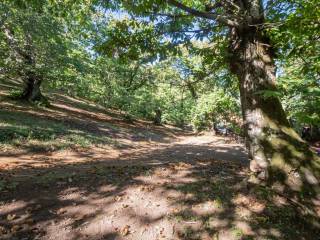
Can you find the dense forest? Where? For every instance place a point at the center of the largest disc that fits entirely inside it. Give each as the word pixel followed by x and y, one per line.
pixel 247 69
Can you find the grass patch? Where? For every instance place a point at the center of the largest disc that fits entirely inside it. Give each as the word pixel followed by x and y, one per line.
pixel 185 216
pixel 7 185
pixel 53 177
pixel 27 131
pixel 189 234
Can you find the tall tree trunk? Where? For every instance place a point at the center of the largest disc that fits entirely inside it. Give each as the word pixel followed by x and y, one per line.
pixel 278 155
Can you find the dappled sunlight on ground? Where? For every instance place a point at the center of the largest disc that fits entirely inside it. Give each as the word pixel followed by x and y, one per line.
pixel 74 121
pixel 161 193
pixel 128 181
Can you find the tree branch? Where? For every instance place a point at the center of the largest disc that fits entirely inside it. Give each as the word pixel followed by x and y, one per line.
pixel 12 42
pixel 188 31
pixel 170 15
pixel 207 15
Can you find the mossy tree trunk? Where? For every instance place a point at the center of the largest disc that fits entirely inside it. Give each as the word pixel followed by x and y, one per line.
pixel 278 155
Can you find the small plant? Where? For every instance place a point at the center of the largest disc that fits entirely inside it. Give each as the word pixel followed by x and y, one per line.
pixel 237 232
pixel 15 94
pixel 218 203
pixel 188 233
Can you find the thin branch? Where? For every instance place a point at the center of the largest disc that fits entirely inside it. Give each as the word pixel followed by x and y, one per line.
pixel 12 42
pixel 187 31
pixel 170 15
pixel 268 25
pixel 232 4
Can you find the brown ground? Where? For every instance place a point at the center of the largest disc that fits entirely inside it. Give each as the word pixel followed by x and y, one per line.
pixel 155 183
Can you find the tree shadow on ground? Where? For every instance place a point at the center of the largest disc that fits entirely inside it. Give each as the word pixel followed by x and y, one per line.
pixel 67 124
pixel 182 191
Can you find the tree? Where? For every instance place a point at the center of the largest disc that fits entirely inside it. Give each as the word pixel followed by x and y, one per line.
pixel 245 37
pixel 27 57
pixel 37 37
pixel 240 27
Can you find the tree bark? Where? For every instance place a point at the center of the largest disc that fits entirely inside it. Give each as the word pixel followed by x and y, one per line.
pixel 192 90
pixel 32 91
pixel 158 117
pixel 278 155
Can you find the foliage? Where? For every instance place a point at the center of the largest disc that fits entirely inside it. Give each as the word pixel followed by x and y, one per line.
pixel 301 96
pixel 214 108
pixel 297 41
pixel 47 40
pixel 146 55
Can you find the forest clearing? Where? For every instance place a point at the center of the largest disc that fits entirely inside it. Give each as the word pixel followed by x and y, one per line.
pixel 149 183
pixel 159 119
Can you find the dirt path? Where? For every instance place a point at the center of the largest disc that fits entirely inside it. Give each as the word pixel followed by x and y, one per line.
pixel 130 181
pixel 188 189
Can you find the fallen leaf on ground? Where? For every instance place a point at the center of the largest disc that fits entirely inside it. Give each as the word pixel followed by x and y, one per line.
pixel 28 210
pixel 10 217
pixel 117 198
pixel 15 228
pixel 125 231
pixel 61 211
pixel 2 230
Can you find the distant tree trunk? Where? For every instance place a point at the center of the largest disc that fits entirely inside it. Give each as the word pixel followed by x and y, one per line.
pixel 157 118
pixel 215 128
pixel 278 154
pixel 32 90
pixel 192 90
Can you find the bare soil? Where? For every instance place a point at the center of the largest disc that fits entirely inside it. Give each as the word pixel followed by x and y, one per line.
pixel 155 183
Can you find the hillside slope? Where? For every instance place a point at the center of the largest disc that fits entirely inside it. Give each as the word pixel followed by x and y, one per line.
pixel 77 171
pixel 70 127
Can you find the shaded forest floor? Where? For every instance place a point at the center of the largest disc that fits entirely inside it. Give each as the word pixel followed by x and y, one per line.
pixel 78 171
